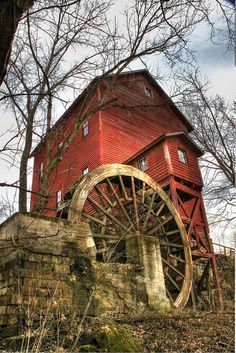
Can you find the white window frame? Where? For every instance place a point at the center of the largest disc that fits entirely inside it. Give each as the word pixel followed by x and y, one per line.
pixel 59 146
pixel 58 197
pixel 85 171
pixel 182 156
pixel 41 169
pixel 85 129
pixel 148 92
pixel 143 164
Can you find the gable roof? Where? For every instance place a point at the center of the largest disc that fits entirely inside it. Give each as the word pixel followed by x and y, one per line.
pixel 97 79
pixel 182 134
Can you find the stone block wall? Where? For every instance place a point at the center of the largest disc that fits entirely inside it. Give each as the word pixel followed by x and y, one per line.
pixel 36 262
pixel 48 269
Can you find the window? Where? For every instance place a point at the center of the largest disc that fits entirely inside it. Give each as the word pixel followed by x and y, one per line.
pixel 182 156
pixel 58 197
pixel 85 129
pixel 148 92
pixel 59 146
pixel 41 170
pixel 85 171
pixel 143 164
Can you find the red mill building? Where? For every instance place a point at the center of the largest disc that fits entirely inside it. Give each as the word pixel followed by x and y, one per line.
pixel 143 129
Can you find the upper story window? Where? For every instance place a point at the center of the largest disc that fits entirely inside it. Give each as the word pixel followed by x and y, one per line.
pixel 143 164
pixel 85 171
pixel 58 197
pixel 182 156
pixel 41 167
pixel 59 146
pixel 85 129
pixel 148 92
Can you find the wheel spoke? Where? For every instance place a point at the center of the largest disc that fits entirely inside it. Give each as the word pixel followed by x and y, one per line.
pixel 173 268
pixel 143 193
pixel 109 215
pixel 135 203
pixel 172 281
pixel 92 218
pixel 103 196
pixel 160 208
pixel 169 295
pixel 175 245
pixel 126 208
pixel 160 225
pixel 123 187
pixel 119 202
pixel 149 210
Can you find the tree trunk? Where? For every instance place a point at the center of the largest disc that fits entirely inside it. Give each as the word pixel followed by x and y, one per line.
pixel 24 165
pixel 10 14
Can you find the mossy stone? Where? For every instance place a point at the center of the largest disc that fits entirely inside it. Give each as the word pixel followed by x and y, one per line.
pixel 87 348
pixel 116 339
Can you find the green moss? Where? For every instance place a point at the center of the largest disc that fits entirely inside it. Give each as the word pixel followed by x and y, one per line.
pixel 226 268
pixel 116 339
pixel 87 348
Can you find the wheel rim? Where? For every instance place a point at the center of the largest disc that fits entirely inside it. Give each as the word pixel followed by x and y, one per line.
pixel 121 202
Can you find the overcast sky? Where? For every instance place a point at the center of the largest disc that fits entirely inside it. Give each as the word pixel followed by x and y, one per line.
pixel 213 60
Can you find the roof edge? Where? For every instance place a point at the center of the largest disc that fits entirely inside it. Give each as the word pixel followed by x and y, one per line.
pixel 163 137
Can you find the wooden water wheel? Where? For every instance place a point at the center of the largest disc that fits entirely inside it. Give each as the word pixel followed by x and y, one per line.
pixel 123 204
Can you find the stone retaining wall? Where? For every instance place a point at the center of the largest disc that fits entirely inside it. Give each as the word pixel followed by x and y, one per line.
pixel 48 266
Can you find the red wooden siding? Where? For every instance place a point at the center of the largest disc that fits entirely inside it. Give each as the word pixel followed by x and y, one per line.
pixel 116 134
pixel 190 171
pixel 157 166
pixel 142 120
pixel 83 152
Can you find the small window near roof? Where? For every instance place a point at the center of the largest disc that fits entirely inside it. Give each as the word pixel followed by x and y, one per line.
pixel 148 92
pixel 58 197
pixel 85 129
pixel 143 164
pixel 85 171
pixel 59 146
pixel 182 156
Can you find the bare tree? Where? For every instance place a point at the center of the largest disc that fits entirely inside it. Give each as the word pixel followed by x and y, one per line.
pixel 47 38
pixel 215 132
pixel 41 66
pixel 10 14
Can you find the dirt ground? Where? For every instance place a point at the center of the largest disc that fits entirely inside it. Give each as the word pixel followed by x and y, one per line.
pixel 198 333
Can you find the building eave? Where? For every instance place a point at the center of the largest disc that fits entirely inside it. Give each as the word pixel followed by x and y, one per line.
pixel 160 139
pixel 101 78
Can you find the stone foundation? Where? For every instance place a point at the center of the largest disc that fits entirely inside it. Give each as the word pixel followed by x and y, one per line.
pixel 48 265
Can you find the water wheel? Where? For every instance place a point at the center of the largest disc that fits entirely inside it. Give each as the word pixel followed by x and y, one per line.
pixel 123 204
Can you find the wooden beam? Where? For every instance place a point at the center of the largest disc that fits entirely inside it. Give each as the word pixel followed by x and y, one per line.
pixel 135 203
pixel 119 202
pixel 103 195
pixel 92 218
pixel 123 187
pixel 102 209
pixel 194 216
pixel 149 210
pixel 157 227
pixel 171 244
